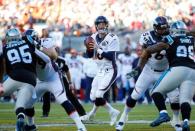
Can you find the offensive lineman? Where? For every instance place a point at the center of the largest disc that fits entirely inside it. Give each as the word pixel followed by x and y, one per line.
pixel 154 67
pixel 50 80
pixel 106 46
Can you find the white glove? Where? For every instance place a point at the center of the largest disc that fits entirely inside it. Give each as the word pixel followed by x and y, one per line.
pixel 99 51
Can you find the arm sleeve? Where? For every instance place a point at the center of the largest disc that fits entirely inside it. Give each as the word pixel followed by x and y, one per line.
pixel 89 53
pixel 111 55
pixel 43 56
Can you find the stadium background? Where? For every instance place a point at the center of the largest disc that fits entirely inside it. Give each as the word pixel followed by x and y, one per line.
pixel 75 18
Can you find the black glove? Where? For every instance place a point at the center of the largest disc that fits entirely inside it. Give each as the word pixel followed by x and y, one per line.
pixel 135 72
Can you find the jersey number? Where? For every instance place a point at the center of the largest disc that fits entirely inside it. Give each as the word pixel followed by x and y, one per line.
pixel 22 54
pixel 183 51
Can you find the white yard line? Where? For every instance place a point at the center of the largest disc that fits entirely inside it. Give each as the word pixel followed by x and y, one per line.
pixel 87 123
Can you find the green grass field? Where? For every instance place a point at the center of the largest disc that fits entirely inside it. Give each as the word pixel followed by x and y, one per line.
pixel 58 120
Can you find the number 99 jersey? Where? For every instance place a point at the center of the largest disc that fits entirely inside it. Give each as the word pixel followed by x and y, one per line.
pixel 181 51
pixel 157 61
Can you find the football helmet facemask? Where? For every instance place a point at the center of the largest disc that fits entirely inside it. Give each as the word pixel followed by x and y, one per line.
pixel 32 33
pixel 161 26
pixel 103 28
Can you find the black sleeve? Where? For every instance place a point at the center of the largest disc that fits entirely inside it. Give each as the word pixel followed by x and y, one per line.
pixel 65 68
pixel 90 53
pixel 111 55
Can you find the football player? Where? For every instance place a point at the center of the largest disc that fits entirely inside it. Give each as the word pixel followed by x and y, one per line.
pixel 50 80
pixel 19 57
pixel 105 45
pixel 126 60
pixel 181 72
pixel 66 76
pixel 152 70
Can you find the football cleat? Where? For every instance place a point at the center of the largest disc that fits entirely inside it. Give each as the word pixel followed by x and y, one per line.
pixel 163 117
pixel 120 126
pixel 20 124
pixel 87 117
pixel 121 123
pixel 82 129
pixel 30 128
pixel 113 115
pixel 178 127
pixel 185 126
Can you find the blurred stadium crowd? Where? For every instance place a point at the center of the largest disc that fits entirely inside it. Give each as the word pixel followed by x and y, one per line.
pixel 64 18
pixel 76 17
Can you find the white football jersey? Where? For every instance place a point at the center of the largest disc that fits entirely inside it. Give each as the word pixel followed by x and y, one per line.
pixel 110 43
pixel 46 72
pixel 157 61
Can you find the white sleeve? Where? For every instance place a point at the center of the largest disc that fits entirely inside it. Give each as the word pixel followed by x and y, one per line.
pixel 43 56
pixel 115 44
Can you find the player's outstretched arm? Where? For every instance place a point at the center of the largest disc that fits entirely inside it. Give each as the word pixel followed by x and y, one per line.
pixel 51 52
pixel 156 48
pixel 42 55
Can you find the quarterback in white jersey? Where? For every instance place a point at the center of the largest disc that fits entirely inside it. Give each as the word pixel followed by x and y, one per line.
pixel 50 80
pixel 151 72
pixel 107 45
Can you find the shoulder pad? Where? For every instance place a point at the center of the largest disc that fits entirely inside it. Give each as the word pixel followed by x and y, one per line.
pixel 144 38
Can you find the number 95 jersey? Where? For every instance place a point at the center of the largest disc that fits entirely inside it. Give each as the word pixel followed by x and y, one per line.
pixel 157 61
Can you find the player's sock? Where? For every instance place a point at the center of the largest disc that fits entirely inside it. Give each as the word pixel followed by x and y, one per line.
pixel 125 114
pixel 77 120
pixel 94 109
pixel 30 120
pixel 176 118
pixel 108 107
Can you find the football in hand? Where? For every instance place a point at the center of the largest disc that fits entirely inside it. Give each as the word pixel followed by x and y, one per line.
pixel 89 43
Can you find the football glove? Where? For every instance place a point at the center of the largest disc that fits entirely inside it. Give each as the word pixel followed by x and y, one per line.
pixel 135 72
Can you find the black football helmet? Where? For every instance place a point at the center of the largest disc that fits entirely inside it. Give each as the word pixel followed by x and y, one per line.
pixel 161 26
pixel 32 33
pixel 101 19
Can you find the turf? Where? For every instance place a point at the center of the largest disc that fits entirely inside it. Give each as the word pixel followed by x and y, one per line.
pixel 139 119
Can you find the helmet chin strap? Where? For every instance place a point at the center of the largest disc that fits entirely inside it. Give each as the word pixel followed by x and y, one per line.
pixel 102 32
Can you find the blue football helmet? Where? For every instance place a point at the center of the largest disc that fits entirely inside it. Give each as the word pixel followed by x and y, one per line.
pixel 178 28
pixel 12 34
pixel 161 26
pixel 101 19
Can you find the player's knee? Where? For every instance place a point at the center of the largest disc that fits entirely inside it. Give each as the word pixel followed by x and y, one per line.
pixel 135 95
pixel 100 101
pixel 69 108
pixel 130 102
pixel 92 97
pixel 20 113
pixel 30 112
pixel 185 107
pixel 156 95
pixel 175 106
